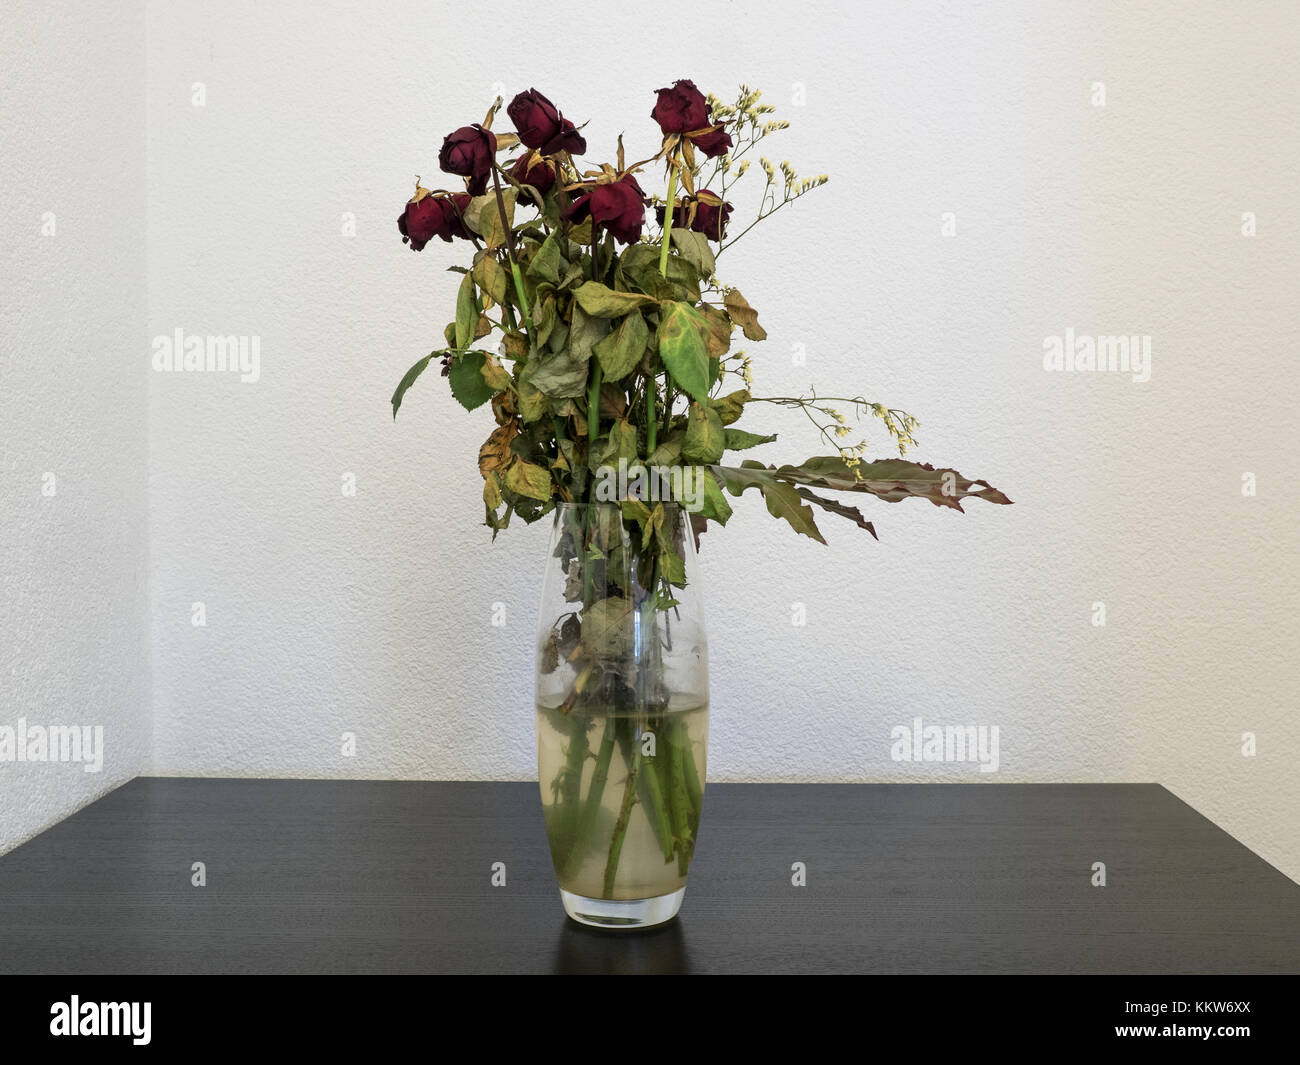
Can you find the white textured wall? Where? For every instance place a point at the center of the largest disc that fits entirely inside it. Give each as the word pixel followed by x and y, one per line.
pixel 371 614
pixel 74 605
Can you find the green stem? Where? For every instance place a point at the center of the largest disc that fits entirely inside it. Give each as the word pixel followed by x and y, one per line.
pixel 679 805
pixel 624 815
pixel 587 824
pixel 668 222
pixel 651 425
pixel 690 772
pixel 570 791
pixel 655 803
pixel 593 405
pixel 514 264
pixel 651 390
pixel 523 304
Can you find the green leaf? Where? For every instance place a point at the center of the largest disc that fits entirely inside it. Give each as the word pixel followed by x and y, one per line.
pixel 584 333
pixel 408 379
pixel 714 504
pixel 673 567
pixel 526 479
pixel 548 262
pixel 561 375
pixel 639 265
pixel 544 317
pixel 466 313
pixel 603 302
pixel 466 379
pixel 669 451
pixel 622 349
pixel 620 443
pixel 781 498
pixel 739 440
pixel 682 348
pixel 694 248
pixel 704 435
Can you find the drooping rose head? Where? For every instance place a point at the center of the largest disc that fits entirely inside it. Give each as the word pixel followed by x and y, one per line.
pixel 469 152
pixel 540 174
pixel 541 126
pixel 681 108
pixel 427 216
pixel 705 213
pixel 713 143
pixel 619 206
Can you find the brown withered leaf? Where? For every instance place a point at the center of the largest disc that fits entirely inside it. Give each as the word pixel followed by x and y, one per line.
pixel 743 315
pixel 495 452
pixel 834 506
pixel 516 345
pixel 718 340
pixel 890 480
pixel 503 407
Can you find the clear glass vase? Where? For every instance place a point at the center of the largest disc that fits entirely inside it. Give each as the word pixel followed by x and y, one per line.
pixel 622 698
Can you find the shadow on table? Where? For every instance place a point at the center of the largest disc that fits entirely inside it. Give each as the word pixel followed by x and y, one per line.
pixel 583 950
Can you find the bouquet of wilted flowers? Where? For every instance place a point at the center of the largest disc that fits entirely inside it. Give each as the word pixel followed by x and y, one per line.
pixel 614 338
pixel 592 319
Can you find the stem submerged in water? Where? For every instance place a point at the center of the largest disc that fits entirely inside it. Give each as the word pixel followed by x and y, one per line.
pixel 624 814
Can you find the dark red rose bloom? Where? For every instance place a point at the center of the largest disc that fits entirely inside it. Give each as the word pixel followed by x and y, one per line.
pixel 541 126
pixel 619 206
pixel 469 152
pixel 567 140
pixel 713 144
pixel 541 175
pixel 681 109
pixel 433 216
pixel 710 218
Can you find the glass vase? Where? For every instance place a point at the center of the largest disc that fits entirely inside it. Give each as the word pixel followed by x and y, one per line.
pixel 622 709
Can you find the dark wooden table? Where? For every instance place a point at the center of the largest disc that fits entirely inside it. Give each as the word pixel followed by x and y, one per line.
pixel 368 876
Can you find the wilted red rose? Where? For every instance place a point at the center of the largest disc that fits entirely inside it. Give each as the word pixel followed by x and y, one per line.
pixel 469 152
pixel 541 126
pixel 540 175
pixel 681 109
pixel 619 206
pixel 427 216
pixel 710 218
pixel 713 143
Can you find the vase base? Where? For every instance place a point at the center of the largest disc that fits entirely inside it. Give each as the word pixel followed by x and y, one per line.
pixel 622 913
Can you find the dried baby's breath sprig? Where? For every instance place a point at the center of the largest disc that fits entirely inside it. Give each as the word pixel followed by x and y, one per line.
pixel 833 426
pixel 746 120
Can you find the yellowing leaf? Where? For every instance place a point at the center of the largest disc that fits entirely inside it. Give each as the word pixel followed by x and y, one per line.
pixel 526 479
pixel 601 301
pixel 682 348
